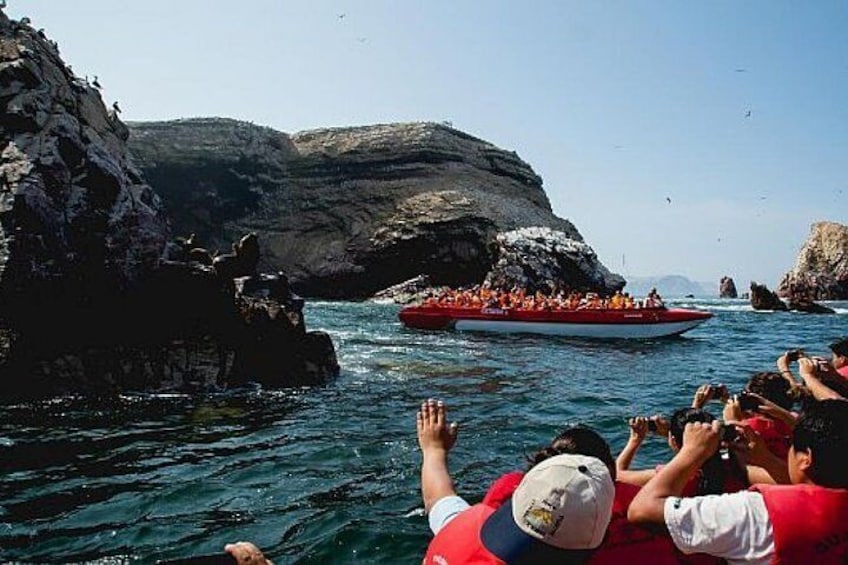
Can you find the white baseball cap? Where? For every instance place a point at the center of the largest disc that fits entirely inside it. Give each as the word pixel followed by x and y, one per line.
pixel 565 502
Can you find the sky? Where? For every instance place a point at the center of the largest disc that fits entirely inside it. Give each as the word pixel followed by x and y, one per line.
pixel 700 139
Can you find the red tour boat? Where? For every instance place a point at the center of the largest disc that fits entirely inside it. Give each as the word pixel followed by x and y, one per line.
pixel 606 323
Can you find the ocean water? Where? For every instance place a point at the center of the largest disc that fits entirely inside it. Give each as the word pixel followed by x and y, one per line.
pixel 331 474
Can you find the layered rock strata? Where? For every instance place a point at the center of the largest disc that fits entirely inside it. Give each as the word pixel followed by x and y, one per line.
pixel 821 270
pixel 347 212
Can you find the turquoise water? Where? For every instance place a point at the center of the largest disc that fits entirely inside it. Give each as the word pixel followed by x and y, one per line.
pixel 330 474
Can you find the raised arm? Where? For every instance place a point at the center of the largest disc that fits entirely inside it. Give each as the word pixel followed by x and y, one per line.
pixel 435 437
pixel 700 441
pixel 809 373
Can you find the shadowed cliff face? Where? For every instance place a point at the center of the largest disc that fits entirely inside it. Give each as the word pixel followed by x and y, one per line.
pixel 821 270
pixel 76 219
pixel 348 211
pixel 87 302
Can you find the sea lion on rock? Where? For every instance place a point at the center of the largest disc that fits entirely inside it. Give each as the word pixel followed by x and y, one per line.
pixel 242 261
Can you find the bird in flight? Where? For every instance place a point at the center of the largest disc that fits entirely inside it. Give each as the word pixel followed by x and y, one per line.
pixel 668 199
pixel 740 70
pixel 748 113
pixel 362 39
pixel 341 16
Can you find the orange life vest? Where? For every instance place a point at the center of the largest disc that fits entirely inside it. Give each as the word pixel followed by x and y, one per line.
pixel 810 523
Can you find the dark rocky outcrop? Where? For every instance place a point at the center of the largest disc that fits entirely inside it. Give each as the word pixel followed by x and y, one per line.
pixel 764 299
pixel 821 270
pixel 727 288
pixel 86 302
pixel 347 212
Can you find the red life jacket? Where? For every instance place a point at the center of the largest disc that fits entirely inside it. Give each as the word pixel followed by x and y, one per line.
pixel 776 434
pixel 458 542
pixel 502 489
pixel 810 523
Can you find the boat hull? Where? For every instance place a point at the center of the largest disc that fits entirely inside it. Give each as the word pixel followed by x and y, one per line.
pixel 614 324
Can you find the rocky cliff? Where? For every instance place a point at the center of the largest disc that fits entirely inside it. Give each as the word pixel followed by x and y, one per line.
pixel 87 302
pixel 349 211
pixel 77 220
pixel 821 270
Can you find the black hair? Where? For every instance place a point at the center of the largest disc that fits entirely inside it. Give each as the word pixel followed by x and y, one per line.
pixel 773 387
pixel 580 440
pixel 823 429
pixel 714 473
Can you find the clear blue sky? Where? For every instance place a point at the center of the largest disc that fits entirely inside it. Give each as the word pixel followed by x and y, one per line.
pixel 619 106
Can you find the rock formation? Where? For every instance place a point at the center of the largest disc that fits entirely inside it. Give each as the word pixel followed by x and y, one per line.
pixel 821 270
pixel 727 288
pixel 87 303
pixel 544 259
pixel 764 299
pixel 414 290
pixel 349 211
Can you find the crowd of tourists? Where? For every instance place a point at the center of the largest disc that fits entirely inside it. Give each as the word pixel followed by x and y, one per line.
pixel 760 479
pixel 482 296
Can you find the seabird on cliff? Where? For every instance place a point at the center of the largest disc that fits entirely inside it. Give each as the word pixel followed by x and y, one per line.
pixel 95 83
pixel 116 107
pixel 2 4
pixel 25 21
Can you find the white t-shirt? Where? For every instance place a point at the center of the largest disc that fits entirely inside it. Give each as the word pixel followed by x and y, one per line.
pixel 734 526
pixel 444 510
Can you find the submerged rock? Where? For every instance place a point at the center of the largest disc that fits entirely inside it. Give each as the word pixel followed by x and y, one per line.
pixel 821 270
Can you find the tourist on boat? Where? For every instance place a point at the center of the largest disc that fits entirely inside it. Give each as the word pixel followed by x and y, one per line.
pixel 559 511
pixel 765 406
pixel 625 542
pixel 653 299
pixel 717 475
pixel 804 522
pixel 819 378
pixel 840 356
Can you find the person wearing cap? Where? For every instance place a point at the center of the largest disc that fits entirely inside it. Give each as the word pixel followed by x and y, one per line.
pixel 840 356
pixel 803 522
pixel 559 511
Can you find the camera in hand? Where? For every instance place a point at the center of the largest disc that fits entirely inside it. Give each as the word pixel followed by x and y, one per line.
pixel 748 402
pixel 729 434
pixel 795 354
pixel 652 425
